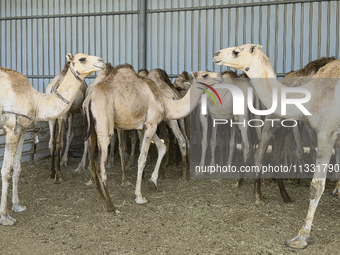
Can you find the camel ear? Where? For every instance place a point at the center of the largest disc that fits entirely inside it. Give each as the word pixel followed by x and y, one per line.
pixel 193 74
pixel 69 57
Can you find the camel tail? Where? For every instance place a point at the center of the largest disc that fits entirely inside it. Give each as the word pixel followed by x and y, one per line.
pixel 88 119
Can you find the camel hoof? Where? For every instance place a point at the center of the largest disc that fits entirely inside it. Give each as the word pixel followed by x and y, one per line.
pixel 90 182
pixel 18 208
pixel 57 181
pixel 260 202
pixel 126 183
pixel 63 163
pixel 7 220
pixel 183 178
pixel 297 243
pixel 152 184
pixel 79 169
pixel 140 200
pixel 288 201
pixel 235 185
pixel 336 192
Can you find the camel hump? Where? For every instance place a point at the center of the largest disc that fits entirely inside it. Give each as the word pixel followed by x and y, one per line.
pixel 16 81
pixel 314 66
pixel 229 74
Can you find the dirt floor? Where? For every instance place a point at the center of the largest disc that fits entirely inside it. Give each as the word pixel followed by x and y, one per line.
pixel 200 216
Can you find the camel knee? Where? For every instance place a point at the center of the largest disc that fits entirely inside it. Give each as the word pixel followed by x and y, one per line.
pixel 162 150
pixel 317 188
pixel 6 174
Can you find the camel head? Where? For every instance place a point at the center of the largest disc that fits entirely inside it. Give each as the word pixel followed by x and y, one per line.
pixel 205 77
pixel 82 65
pixel 143 72
pixel 243 57
pixel 182 82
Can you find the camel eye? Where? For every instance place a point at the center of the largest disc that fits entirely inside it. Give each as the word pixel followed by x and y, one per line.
pixel 82 59
pixel 205 75
pixel 235 53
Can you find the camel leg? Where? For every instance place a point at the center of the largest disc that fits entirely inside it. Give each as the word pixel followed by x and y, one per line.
pixel 51 125
pixel 204 124
pixel 213 145
pixel 99 143
pixel 277 151
pixel 298 143
pixel 16 207
pixel 232 145
pixel 161 152
pixel 187 126
pixel 164 132
pixel 122 153
pixel 59 142
pixel 246 152
pixel 51 146
pixel 325 146
pixel 312 145
pixel 11 145
pixel 133 138
pixel 337 165
pixel 82 163
pixel 111 158
pixel 182 127
pixel 182 146
pixel 149 132
pixel 69 138
pixel 259 155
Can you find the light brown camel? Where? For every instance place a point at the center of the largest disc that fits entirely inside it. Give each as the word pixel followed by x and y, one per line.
pixel 128 101
pixel 21 105
pixel 161 79
pixel 66 117
pixel 182 84
pixel 323 107
pixel 100 77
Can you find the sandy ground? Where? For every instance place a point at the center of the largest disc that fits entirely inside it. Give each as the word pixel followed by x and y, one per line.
pixel 200 216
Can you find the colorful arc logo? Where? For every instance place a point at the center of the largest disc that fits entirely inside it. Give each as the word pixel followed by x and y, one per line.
pixel 213 90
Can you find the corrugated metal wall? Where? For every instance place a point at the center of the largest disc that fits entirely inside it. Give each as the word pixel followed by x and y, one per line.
pixel 35 36
pixel 184 35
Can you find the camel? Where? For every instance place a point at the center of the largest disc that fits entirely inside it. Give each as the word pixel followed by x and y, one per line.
pixel 128 101
pixel 161 79
pixel 101 76
pixel 21 105
pixel 182 84
pixel 67 117
pixel 323 107
pixel 279 133
pixel 226 112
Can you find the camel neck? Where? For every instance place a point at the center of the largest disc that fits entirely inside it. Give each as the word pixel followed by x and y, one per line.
pixel 52 106
pixel 178 109
pixel 267 86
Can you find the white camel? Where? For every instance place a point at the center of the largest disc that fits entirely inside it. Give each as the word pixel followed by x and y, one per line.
pixel 21 105
pixel 323 107
pixel 225 111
